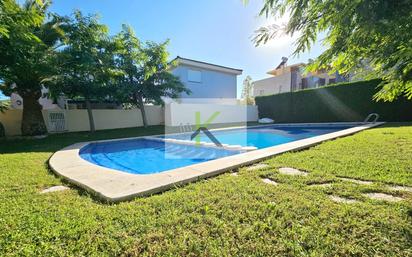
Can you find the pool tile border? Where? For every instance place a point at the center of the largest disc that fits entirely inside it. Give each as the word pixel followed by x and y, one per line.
pixel 115 186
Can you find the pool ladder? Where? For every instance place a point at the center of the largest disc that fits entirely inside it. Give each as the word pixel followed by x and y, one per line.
pixel 370 116
pixel 185 128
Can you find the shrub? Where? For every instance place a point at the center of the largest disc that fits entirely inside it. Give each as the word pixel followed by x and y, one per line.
pixel 340 102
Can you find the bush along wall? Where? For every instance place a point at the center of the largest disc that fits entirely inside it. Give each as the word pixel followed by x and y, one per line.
pixel 340 102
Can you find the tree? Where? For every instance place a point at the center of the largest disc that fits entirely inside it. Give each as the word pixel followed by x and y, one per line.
pixel 145 72
pixel 247 90
pixel 87 62
pixel 29 35
pixel 4 105
pixel 377 32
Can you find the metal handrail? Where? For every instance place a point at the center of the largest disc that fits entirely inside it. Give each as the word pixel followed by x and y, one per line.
pixel 184 128
pixel 370 116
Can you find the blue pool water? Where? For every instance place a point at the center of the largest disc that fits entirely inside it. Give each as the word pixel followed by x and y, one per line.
pixel 265 136
pixel 146 156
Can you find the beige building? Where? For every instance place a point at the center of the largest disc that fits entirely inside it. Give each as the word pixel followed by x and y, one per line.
pixel 290 78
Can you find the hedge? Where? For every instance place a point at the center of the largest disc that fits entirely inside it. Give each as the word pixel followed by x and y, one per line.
pixel 340 102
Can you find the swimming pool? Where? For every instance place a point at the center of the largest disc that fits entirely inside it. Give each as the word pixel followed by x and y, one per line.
pixel 154 155
pixel 122 169
pixel 264 136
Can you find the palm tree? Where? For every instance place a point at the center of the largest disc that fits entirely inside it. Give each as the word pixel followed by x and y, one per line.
pixel 28 56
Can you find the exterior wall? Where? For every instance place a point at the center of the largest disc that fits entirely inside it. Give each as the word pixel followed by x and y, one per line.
pixel 214 84
pixel 11 120
pixel 182 114
pixel 272 85
pixel 292 81
pixel 45 102
pixel 77 120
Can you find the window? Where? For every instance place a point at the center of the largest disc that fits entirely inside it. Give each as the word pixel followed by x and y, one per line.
pixel 194 76
pixel 261 92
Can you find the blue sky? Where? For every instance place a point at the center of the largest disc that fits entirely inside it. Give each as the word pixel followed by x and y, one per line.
pixel 212 31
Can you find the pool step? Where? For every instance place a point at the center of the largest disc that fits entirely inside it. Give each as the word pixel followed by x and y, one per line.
pixel 206 144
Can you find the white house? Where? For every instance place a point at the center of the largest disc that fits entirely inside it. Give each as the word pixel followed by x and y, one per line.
pixel 209 82
pixel 16 101
pixel 290 78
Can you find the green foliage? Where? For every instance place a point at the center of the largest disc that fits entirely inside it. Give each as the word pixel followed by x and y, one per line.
pixel 12 15
pixel 146 78
pixel 4 105
pixel 247 90
pixel 145 70
pixel 375 34
pixel 340 102
pixel 27 53
pixel 87 60
pixel 29 36
pixel 222 216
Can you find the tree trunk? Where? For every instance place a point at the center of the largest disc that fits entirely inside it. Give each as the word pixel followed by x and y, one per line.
pixel 142 110
pixel 90 114
pixel 32 123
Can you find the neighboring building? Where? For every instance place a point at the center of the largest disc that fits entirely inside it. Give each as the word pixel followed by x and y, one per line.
pixel 205 80
pixel 290 78
pixel 62 103
pixel 47 103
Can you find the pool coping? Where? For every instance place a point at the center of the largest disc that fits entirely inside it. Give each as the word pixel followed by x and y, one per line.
pixel 114 186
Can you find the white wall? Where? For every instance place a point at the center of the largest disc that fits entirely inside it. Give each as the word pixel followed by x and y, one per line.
pixel 177 114
pixel 172 115
pixel 17 101
pixel 272 85
pixel 77 120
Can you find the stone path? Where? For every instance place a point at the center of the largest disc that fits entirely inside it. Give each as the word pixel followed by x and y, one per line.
pixel 357 181
pixel 292 172
pixel 339 199
pixel 323 185
pixel 257 166
pixel 295 172
pixel 383 197
pixel 54 189
pixel 401 188
pixel 269 181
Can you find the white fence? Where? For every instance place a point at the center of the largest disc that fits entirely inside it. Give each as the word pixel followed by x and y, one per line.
pixel 185 113
pixel 172 115
pixel 77 120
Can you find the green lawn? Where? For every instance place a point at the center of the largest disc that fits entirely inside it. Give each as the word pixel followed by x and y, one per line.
pixel 222 216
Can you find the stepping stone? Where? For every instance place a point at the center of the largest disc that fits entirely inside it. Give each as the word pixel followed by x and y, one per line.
pixel 235 174
pixel 54 189
pixel 323 185
pixel 269 181
pixel 257 166
pixel 401 188
pixel 357 181
pixel 383 197
pixel 339 199
pixel 292 172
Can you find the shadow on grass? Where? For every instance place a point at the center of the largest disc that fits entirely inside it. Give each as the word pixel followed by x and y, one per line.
pixel 55 142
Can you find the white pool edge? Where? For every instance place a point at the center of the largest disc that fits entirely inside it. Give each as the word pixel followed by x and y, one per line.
pixel 114 186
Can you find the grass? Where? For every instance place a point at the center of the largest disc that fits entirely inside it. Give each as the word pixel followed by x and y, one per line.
pixel 222 216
